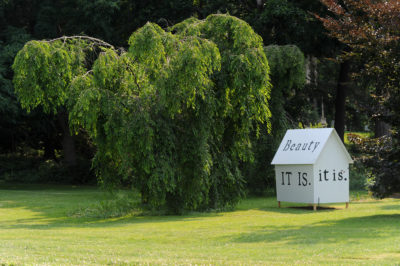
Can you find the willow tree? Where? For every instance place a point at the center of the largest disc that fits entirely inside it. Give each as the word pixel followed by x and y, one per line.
pixel 172 116
pixel 43 72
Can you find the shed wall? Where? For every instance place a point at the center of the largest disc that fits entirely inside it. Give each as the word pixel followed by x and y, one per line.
pixel 294 183
pixel 331 174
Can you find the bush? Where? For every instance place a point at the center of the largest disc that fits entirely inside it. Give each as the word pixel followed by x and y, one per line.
pixel 381 157
pixel 359 175
pixel 117 204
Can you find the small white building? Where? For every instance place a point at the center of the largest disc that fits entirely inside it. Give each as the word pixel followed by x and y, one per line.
pixel 312 166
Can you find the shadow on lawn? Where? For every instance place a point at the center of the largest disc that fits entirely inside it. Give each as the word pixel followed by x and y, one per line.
pixel 43 223
pixel 48 209
pixel 330 231
pixel 391 207
pixel 300 209
pixel 51 208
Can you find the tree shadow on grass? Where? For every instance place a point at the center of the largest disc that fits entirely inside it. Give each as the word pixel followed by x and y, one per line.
pixel 44 223
pixel 48 209
pixel 310 208
pixel 330 231
pixel 301 209
pixel 391 207
pixel 54 207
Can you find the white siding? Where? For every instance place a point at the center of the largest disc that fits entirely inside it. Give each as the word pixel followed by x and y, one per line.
pixel 331 174
pixel 301 187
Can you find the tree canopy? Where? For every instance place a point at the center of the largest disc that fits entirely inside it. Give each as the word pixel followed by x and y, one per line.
pixel 371 31
pixel 172 115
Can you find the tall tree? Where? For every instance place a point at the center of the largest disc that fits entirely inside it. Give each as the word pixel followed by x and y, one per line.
pixel 172 116
pixel 372 30
pixel 21 21
pixel 369 28
pixel 340 102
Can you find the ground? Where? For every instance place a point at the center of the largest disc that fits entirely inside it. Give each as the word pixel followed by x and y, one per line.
pixel 55 225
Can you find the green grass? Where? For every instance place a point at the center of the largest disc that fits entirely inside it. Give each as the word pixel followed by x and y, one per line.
pixel 39 225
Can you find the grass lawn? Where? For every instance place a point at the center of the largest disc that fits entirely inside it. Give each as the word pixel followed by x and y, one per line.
pixel 36 227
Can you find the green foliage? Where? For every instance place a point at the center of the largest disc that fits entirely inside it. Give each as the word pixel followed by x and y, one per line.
pixel 288 78
pixel 173 115
pixel 311 125
pixel 359 175
pixel 43 72
pixel 381 159
pixel 286 61
pixel 375 47
pixel 301 28
pixel 244 65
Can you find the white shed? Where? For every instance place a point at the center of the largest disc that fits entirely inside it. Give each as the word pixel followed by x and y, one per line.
pixel 312 166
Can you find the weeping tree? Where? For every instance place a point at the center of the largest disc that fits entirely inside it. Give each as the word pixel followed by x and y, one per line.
pixel 172 115
pixel 43 72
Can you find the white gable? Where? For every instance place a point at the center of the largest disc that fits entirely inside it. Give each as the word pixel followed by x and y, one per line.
pixel 304 146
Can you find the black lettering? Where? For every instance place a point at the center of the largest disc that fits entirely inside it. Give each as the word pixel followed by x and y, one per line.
pixel 304 179
pixel 298 147
pixel 299 178
pixel 325 172
pixel 340 174
pixel 334 175
pixel 288 177
pixel 287 145
pixel 315 146
pixel 283 178
pixel 292 147
pixel 320 176
pixel 309 147
pixel 304 146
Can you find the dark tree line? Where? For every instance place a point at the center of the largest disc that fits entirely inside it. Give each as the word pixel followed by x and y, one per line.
pixel 278 22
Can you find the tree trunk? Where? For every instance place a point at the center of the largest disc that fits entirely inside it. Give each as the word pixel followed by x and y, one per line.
pixel 49 148
pixel 312 71
pixel 260 4
pixel 68 142
pixel 340 101
pixel 381 129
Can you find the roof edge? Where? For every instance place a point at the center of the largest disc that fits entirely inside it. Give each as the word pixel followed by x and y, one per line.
pixel 336 136
pixel 343 146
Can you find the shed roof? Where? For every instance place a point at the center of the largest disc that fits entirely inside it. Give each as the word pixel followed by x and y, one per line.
pixel 304 146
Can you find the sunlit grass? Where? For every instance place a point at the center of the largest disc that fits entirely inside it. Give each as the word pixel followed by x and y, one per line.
pixel 41 226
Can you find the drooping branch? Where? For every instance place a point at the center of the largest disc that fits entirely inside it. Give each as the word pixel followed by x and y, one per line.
pixel 78 37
